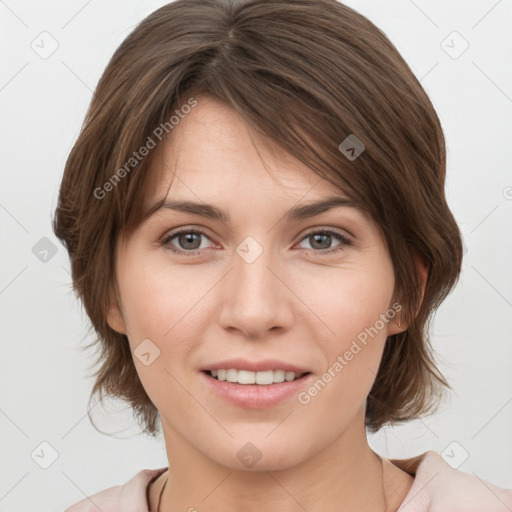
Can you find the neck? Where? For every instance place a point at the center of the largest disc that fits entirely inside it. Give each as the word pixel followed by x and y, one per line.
pixel 347 475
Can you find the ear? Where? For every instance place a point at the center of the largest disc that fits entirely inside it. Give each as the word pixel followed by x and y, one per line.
pixel 423 271
pixel 422 268
pixel 115 318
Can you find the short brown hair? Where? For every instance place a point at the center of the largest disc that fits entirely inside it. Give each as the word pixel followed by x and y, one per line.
pixel 307 74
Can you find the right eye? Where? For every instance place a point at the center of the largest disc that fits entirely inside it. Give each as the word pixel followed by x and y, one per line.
pixel 186 238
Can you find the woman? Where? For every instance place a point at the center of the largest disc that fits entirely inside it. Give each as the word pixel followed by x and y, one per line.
pixel 257 227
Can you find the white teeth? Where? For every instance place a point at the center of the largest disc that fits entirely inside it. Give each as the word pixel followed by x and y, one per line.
pixel 279 375
pixel 247 377
pixel 265 377
pixel 232 375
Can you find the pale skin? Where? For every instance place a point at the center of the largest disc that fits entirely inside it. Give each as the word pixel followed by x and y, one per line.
pixel 294 303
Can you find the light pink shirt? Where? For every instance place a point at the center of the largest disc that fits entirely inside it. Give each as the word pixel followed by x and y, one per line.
pixel 436 488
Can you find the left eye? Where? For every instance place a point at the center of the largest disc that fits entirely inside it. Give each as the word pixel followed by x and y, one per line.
pixel 189 241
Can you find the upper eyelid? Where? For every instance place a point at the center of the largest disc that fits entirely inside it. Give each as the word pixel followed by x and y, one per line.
pixel 345 216
pixel 312 230
pixel 205 230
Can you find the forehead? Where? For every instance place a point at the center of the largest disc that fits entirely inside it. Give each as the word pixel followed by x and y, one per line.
pixel 213 151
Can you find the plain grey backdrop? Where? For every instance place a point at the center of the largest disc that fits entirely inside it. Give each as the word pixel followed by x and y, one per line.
pixel 52 55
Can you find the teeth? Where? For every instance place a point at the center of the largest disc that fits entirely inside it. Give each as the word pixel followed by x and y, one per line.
pixel 279 375
pixel 247 377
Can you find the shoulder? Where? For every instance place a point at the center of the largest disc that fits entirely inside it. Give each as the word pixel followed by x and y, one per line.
pixel 130 497
pixel 440 488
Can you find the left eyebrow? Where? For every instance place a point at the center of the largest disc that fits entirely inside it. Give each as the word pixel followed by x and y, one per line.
pixel 300 212
pixel 309 210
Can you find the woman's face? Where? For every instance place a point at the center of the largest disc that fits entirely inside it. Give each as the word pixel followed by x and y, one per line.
pixel 259 285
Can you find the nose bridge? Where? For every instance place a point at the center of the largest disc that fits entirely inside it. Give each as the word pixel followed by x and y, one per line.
pixel 253 279
pixel 254 301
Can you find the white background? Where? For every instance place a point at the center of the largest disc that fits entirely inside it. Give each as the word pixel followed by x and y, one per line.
pixel 44 384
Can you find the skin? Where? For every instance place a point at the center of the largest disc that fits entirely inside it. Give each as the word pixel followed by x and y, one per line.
pixel 293 303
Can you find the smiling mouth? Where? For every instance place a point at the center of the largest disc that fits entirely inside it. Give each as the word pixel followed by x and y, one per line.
pixel 246 377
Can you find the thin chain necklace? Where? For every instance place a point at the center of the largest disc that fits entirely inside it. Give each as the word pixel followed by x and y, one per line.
pixel 382 476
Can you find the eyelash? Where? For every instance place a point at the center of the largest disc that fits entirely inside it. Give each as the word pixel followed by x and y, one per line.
pixel 344 241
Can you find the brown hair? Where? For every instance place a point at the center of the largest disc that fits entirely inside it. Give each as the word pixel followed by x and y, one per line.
pixel 307 74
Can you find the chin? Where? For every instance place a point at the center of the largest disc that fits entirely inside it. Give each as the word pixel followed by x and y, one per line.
pixel 242 454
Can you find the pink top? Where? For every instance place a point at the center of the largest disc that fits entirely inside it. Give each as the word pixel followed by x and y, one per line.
pixel 437 487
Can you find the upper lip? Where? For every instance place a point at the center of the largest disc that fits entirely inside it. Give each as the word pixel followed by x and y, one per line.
pixel 255 366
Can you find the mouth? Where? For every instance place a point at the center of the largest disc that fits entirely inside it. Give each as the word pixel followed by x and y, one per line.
pixel 248 389
pixel 261 378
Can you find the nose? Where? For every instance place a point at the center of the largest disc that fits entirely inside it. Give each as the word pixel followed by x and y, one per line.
pixel 255 298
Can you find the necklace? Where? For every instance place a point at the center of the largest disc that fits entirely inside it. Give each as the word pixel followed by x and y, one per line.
pixel 382 476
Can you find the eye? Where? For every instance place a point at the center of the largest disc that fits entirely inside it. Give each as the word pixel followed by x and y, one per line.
pixel 188 240
pixel 321 240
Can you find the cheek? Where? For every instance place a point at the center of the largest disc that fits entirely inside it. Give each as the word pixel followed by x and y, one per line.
pixel 348 302
pixel 164 305
pixel 157 298
pixel 356 308
pixel 161 305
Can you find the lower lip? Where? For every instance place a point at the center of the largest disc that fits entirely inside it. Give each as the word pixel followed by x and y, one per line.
pixel 255 396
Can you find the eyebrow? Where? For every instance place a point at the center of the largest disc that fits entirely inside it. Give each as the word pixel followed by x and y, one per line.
pixel 299 212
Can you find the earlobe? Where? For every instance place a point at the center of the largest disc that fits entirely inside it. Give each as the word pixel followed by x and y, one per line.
pixel 397 326
pixel 115 318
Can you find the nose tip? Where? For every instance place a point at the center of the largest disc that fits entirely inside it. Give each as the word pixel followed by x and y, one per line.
pixel 252 300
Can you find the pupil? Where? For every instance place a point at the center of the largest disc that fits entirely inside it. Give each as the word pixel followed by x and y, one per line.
pixel 325 237
pixel 189 238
